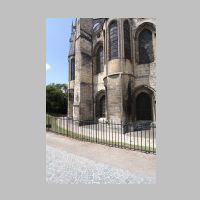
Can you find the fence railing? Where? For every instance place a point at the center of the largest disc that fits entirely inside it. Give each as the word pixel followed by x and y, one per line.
pixel 140 136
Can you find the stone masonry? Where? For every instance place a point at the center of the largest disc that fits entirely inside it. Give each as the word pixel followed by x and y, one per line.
pixel 128 84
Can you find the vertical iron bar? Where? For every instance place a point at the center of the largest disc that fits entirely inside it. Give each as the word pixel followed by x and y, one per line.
pixel 88 131
pixel 100 132
pixel 141 140
pixel 81 130
pixel 112 133
pixel 124 134
pixel 56 128
pixel 78 129
pixel 55 125
pixel 103 133
pixel 149 139
pixel 109 133
pixel 91 131
pixel 118 133
pixel 59 125
pixel 62 125
pixel 153 139
pixel 84 131
pixel 134 137
pixel 72 128
pixel 96 132
pixel 115 134
pixel 48 122
pixel 121 134
pixel 106 134
pixel 130 135
pixel 137 141
pixel 67 126
pixel 145 140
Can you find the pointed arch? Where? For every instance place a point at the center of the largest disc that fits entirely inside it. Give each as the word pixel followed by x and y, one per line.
pixel 144 98
pixel 100 100
pixel 144 37
pixel 143 107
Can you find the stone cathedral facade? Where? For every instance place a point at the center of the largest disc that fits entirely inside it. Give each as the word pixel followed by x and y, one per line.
pixel 112 69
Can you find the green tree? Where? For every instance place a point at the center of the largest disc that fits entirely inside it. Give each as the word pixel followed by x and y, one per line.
pixel 56 98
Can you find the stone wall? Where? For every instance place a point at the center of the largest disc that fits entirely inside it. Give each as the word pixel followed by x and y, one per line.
pixel 83 90
pixel 121 77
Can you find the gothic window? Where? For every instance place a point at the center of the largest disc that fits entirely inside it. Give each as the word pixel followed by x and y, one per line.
pixel 145 47
pixel 99 60
pixel 102 106
pixel 127 44
pixel 143 107
pixel 113 39
pixel 72 69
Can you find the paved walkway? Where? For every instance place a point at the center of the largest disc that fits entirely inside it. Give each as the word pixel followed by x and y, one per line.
pixel 72 161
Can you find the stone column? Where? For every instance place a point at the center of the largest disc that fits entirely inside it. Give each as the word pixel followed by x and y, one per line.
pixel 83 97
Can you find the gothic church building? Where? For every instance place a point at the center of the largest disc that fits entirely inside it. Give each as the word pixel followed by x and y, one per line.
pixel 112 63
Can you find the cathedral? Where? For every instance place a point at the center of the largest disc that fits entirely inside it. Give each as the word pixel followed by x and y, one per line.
pixel 112 70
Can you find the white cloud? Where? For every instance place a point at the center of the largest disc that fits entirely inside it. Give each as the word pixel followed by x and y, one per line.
pixel 48 67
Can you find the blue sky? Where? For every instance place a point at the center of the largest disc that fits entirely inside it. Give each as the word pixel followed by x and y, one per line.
pixel 58 31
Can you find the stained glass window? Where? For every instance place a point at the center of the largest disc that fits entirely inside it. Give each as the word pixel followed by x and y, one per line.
pixel 99 60
pixel 72 69
pixel 145 47
pixel 113 37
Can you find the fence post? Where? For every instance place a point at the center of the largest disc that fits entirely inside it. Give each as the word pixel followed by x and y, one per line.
pixel 48 122
pixel 67 126
pixel 129 127
pixel 72 128
pixel 96 132
pixel 153 141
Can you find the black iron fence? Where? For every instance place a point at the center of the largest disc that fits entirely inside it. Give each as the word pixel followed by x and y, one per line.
pixel 140 136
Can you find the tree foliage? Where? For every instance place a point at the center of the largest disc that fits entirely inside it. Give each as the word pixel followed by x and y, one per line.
pixel 56 98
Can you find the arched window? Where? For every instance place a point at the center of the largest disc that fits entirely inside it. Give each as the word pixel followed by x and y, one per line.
pixel 113 39
pixel 145 47
pixel 99 60
pixel 102 106
pixel 143 107
pixel 72 69
pixel 127 44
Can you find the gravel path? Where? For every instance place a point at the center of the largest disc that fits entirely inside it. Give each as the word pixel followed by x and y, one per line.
pixel 67 168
